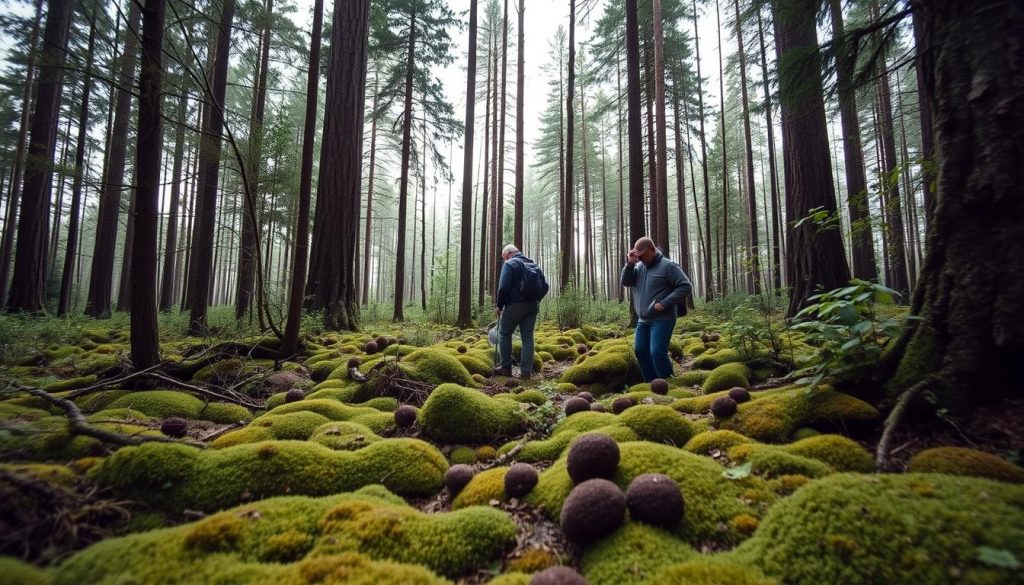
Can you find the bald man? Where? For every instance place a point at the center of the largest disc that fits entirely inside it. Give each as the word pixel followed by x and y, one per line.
pixel 660 288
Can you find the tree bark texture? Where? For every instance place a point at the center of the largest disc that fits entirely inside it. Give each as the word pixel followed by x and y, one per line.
pixel 517 229
pixel 567 232
pixel 465 318
pixel 633 130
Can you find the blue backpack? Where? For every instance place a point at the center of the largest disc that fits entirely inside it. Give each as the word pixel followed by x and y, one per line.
pixel 533 286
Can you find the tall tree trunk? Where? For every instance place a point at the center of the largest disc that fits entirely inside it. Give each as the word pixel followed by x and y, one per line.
pixel 484 205
pixel 621 245
pixel 499 194
pixel 423 218
pixel 636 164
pixel 661 125
pixel 856 181
pixel 517 230
pixel 709 280
pixel 28 290
pixel 246 275
pixel 970 297
pixel 66 280
pixel 815 258
pixel 567 242
pixel 124 294
pixel 17 174
pixel 170 253
pixel 369 194
pixel 200 275
pixel 290 342
pixel 465 318
pixel 773 177
pixel 588 232
pixel 924 67
pixel 755 250
pixel 49 267
pixel 722 258
pixel 494 242
pixel 331 285
pixel 145 336
pixel 684 259
pixel 403 185
pixel 101 276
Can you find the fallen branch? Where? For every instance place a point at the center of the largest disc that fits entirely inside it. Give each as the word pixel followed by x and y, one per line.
pixel 893 420
pixel 79 426
pixel 110 382
pixel 216 434
pixel 233 397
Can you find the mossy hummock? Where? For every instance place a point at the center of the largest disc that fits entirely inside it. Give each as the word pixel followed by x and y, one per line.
pixel 455 414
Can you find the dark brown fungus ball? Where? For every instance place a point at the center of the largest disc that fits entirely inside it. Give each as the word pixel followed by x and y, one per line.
pixel 294 395
pixel 739 394
pixel 558 576
pixel 622 403
pixel 593 509
pixel 592 456
pixel 371 347
pixel 655 499
pixel 582 349
pixel 405 416
pixel 457 477
pixel 723 407
pixel 174 427
pixel 659 386
pixel 585 396
pixel 576 404
pixel 520 479
pixel 598 407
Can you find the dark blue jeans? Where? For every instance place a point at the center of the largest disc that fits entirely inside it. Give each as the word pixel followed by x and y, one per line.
pixel 651 346
pixel 523 315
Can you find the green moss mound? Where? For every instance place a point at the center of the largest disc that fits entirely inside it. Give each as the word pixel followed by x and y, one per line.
pixel 774 461
pixel 173 478
pixel 727 376
pixel 16 572
pixel 716 358
pixel 963 461
pixel 634 554
pixel 710 571
pixel 339 411
pixel 704 443
pixel 614 366
pixel 485 486
pixel 897 529
pixel 360 538
pixel 455 414
pixel 711 499
pixel 166 403
pixel 658 424
pixel 773 415
pixel 436 366
pixel 839 452
pixel 344 436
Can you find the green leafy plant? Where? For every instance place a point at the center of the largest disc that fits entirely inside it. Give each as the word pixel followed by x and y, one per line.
pixel 754 327
pixel 847 328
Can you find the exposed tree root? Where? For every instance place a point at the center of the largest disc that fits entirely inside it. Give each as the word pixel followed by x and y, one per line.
pixel 893 421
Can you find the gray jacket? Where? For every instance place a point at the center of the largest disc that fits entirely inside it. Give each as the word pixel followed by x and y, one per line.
pixel 663 281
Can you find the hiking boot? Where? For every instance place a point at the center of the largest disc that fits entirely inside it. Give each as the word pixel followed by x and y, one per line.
pixel 503 371
pixel 525 375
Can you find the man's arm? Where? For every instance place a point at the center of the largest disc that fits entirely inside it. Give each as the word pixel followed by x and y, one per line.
pixel 504 285
pixel 628 276
pixel 680 284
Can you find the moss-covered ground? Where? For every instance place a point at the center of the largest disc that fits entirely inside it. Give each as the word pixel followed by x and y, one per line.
pixel 330 466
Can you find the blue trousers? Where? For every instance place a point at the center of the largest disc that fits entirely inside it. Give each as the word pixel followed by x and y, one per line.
pixel 523 315
pixel 650 344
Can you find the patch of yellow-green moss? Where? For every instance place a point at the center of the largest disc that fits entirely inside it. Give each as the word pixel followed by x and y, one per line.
pixel 167 403
pixel 633 555
pixel 964 461
pixel 727 376
pixel 774 415
pixel 614 365
pixel 704 443
pixel 455 414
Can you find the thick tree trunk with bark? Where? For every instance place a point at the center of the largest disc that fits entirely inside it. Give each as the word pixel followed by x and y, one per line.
pixel 465 318
pixel 773 180
pixel 661 123
pixel 67 276
pixel 145 336
pixel 200 268
pixel 633 131
pixel 290 342
pixel 816 260
pixel 28 290
pixel 971 292
pixel 369 195
pixel 856 180
pixel 170 252
pixel 755 250
pixel 517 229
pixel 17 175
pixel 709 280
pixel 567 232
pixel 101 276
pixel 331 286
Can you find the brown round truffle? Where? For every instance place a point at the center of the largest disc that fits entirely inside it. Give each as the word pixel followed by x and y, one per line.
pixel 585 396
pixel 593 509
pixel 739 394
pixel 405 416
pixel 354 362
pixel 592 456
pixel 174 427
pixel 371 347
pixel 655 499
pixel 457 477
pixel 558 576
pixel 622 403
pixel 512 383
pixel 659 386
pixel 723 407
pixel 520 479
pixel 294 395
pixel 598 407
pixel 582 349
pixel 576 404
pixel 382 342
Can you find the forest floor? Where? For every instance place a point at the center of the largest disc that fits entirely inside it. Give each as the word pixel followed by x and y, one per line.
pixel 108 475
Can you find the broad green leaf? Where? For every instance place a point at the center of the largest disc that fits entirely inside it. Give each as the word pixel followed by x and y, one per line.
pixel 738 472
pixel 998 557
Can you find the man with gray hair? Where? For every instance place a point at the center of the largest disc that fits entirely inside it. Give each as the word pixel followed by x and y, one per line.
pixel 520 288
